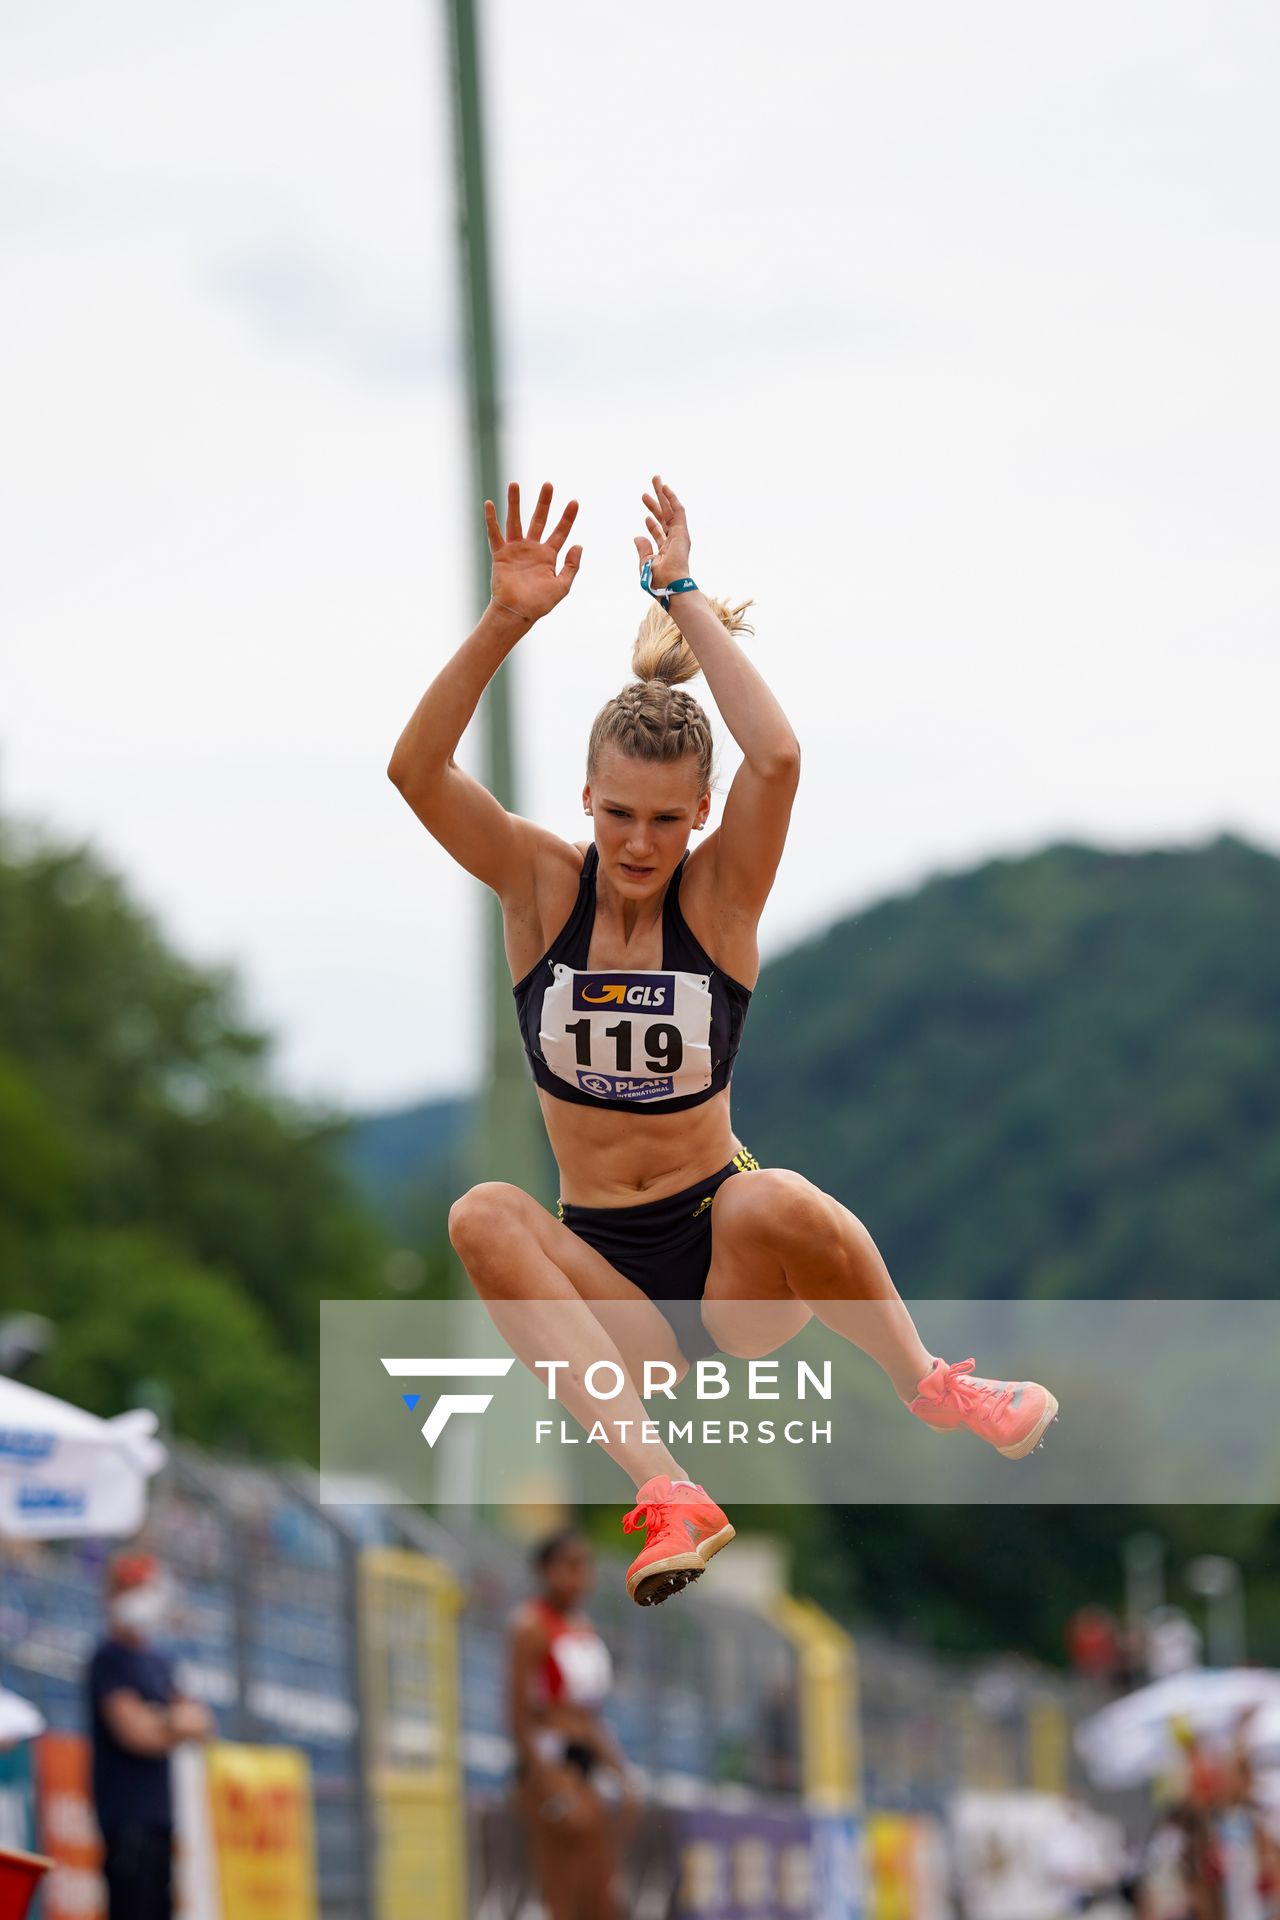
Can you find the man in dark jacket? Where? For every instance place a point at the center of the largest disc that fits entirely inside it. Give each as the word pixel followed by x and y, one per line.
pixel 138 1716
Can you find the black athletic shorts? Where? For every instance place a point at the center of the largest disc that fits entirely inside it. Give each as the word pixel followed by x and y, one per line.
pixel 664 1248
pixel 576 1754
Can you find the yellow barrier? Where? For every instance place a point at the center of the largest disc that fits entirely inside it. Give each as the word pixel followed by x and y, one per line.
pixel 831 1759
pixel 988 1760
pixel 1049 1743
pixel 408 1627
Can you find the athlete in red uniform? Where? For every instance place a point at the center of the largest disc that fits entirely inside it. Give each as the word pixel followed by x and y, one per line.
pixel 560 1675
pixel 633 962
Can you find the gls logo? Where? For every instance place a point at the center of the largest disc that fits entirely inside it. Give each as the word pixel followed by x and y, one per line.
pixel 655 992
pixel 433 1426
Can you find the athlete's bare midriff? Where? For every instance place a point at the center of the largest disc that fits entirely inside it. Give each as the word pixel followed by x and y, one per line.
pixel 608 1157
pixel 612 1159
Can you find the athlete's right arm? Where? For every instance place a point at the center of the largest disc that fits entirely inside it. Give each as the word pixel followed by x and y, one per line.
pixel 526 1649
pixel 469 822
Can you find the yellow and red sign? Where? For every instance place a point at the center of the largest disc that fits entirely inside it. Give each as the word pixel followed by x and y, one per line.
pixel 263 1833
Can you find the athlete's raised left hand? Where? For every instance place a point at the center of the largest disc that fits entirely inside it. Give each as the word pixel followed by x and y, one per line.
pixel 667 523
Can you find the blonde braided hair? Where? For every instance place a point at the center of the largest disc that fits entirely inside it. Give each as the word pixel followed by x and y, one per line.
pixel 653 718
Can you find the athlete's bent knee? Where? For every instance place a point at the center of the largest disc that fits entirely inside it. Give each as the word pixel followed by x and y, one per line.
pixel 741 1335
pixel 770 1205
pixel 483 1211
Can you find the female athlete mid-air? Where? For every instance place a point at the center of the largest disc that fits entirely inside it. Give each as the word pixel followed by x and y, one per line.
pixel 636 1103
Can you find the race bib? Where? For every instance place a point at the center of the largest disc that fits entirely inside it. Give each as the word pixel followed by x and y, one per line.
pixel 628 1036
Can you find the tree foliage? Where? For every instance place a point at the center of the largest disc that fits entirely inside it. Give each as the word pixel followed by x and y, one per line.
pixel 176 1217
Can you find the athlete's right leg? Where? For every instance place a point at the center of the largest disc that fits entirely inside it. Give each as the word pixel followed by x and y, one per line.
pixel 516 1253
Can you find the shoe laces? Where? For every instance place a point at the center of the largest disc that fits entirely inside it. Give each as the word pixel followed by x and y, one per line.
pixel 646 1515
pixel 973 1395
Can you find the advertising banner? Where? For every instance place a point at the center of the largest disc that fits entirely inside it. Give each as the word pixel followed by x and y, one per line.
pixel 755 1865
pixel 68 1831
pixel 839 1871
pixel 891 1840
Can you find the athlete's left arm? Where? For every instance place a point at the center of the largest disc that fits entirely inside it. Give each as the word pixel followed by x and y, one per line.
pixel 757 810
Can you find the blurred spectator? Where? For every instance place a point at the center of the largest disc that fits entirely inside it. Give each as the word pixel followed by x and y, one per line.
pixel 1105 1649
pixel 137 1716
pixel 1131 1657
pixel 1162 1889
pixel 1244 1792
pixel 1185 1851
pixel 1241 1778
pixel 778 1739
pixel 1093 1638
pixel 1173 1643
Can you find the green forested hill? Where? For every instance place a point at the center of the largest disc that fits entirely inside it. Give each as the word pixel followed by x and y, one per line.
pixel 1056 1076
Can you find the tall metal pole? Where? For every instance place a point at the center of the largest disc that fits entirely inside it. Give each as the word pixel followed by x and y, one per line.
pixel 1143 1558
pixel 507 1142
pixel 1221 1582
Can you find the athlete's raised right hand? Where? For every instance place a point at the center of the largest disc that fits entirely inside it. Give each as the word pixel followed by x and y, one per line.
pixel 524 576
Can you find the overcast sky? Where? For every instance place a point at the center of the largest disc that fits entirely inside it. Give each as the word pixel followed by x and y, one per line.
pixel 954 326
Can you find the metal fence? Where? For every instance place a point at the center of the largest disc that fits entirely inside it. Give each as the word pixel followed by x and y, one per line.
pixel 375 1640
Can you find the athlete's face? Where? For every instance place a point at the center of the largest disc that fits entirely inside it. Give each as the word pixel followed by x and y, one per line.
pixel 643 812
pixel 570 1575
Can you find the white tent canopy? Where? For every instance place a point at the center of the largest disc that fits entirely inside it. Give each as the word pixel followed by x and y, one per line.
pixel 65 1472
pixel 1132 1740
pixel 1265 1733
pixel 19 1720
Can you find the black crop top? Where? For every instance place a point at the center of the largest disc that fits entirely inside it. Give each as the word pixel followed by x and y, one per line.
pixel 651 1042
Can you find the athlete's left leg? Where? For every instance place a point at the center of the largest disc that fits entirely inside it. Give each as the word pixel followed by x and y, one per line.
pixel 786 1248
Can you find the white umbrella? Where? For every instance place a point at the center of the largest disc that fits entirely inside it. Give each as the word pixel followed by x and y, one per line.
pixel 1131 1740
pixel 1264 1739
pixel 65 1472
pixel 19 1720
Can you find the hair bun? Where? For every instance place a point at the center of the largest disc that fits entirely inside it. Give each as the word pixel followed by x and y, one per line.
pixel 661 651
